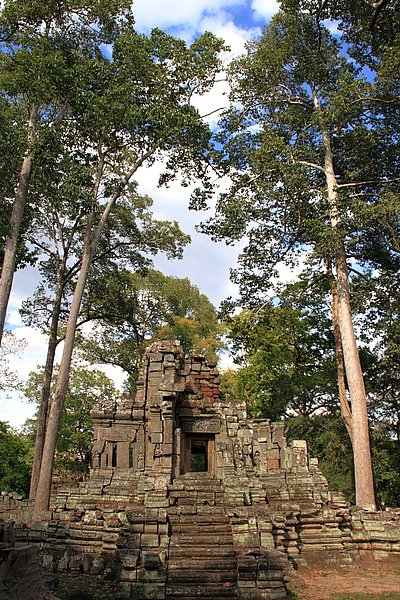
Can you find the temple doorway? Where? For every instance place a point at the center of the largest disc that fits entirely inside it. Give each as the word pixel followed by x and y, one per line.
pixel 198 453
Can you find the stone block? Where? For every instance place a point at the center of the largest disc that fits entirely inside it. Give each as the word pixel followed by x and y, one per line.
pixel 149 540
pixel 267 540
pixel 128 575
pixel 133 541
pixel 155 367
pixel 98 566
pixel 129 557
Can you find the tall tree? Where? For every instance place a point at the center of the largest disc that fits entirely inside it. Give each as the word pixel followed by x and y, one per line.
pixel 137 106
pixel 131 234
pixel 304 117
pixel 43 47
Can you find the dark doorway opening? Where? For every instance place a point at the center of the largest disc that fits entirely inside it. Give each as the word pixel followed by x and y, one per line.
pixel 198 456
pixel 198 453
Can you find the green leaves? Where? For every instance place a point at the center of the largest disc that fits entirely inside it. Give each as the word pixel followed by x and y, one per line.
pixel 16 453
pixel 75 438
pixel 292 90
pixel 285 350
pixel 129 310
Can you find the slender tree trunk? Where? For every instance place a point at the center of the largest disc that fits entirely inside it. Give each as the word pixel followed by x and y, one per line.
pixel 345 410
pixel 53 422
pixel 17 214
pixel 46 387
pixel 365 495
pixel 91 242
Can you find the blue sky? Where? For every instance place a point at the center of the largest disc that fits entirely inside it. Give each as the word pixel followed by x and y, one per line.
pixel 205 263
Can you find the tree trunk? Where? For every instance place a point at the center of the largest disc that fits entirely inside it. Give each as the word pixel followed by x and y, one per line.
pixel 345 410
pixel 17 214
pixel 53 422
pixel 46 387
pixel 365 495
pixel 91 242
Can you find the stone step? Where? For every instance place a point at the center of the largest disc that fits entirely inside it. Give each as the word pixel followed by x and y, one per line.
pixel 203 529
pixel 194 592
pixel 211 485
pixel 210 510
pixel 182 552
pixel 201 540
pixel 202 564
pixel 186 576
pixel 201 518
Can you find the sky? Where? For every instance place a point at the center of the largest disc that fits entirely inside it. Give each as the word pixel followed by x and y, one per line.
pixel 205 263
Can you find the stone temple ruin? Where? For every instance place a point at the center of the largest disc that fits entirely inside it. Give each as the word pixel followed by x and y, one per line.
pixel 189 498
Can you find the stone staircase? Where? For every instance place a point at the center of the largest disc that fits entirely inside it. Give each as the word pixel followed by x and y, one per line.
pixel 202 560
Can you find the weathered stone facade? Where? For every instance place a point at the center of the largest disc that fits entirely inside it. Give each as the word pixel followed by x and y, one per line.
pixel 189 498
pixel 179 423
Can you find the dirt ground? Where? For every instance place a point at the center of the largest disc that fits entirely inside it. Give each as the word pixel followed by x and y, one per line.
pixel 371 580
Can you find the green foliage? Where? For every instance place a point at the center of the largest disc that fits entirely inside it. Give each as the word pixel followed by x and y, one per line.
pixel 16 455
pixel 75 437
pixel 286 352
pixel 368 26
pixel 385 458
pixel 294 88
pixel 130 310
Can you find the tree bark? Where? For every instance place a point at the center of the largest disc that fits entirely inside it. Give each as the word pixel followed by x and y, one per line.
pixel 46 387
pixel 345 410
pixel 53 422
pixel 365 495
pixel 17 214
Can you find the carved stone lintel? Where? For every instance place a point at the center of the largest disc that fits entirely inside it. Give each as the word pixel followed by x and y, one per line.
pixel 201 425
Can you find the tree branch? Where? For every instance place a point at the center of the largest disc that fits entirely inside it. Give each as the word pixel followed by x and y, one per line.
pixel 367 182
pixel 308 164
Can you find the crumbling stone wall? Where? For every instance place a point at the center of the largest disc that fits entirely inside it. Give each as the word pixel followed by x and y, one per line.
pixel 21 575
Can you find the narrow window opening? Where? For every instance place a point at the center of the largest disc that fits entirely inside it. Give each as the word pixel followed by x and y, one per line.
pixel 114 455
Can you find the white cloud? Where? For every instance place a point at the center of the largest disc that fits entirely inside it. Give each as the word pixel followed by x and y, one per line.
pixel 264 9
pixel 13 407
pixel 333 27
pixel 205 262
pixel 236 38
pixel 13 318
pixel 156 13
pixel 14 410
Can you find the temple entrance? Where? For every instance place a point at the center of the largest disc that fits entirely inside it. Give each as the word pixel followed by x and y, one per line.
pixel 198 456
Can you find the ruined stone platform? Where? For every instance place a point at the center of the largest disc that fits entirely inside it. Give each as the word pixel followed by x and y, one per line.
pixel 189 498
